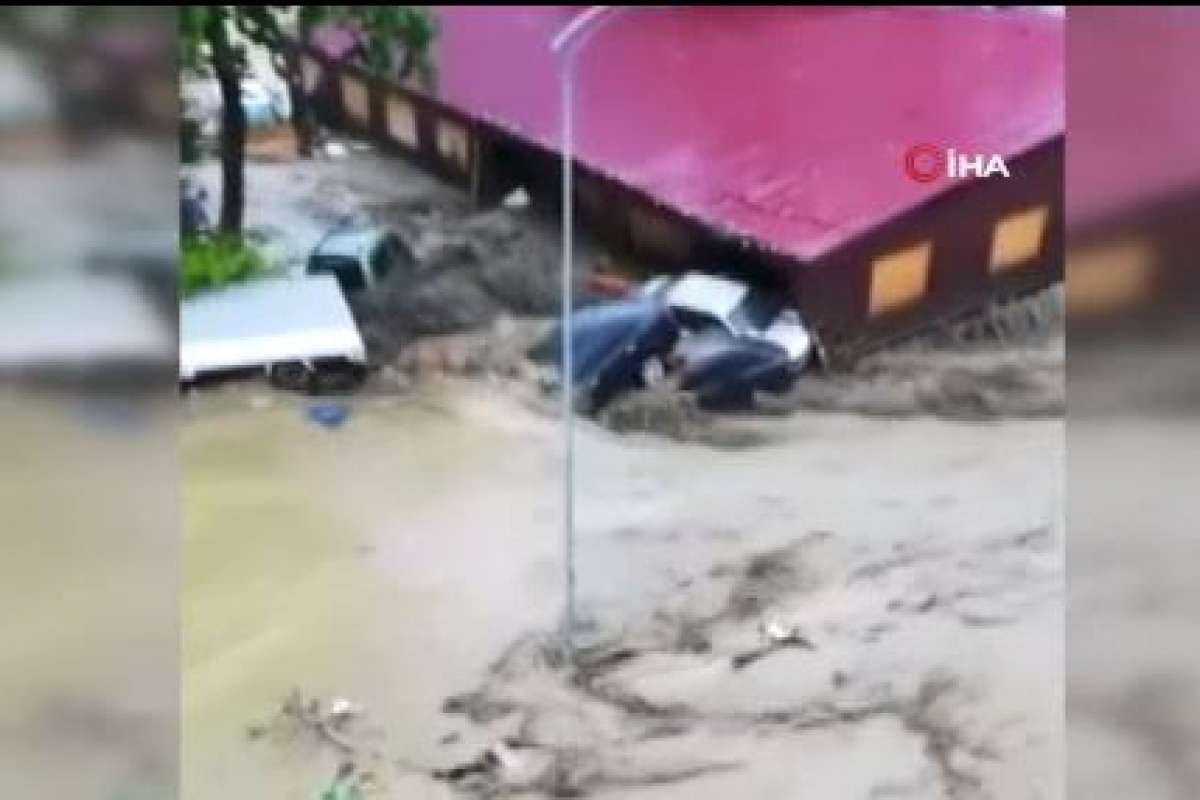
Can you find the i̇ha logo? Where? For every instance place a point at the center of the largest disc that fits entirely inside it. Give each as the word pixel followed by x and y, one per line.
pixel 925 163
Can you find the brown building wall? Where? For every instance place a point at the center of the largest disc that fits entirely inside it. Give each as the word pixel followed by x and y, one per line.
pixel 1135 266
pixel 991 238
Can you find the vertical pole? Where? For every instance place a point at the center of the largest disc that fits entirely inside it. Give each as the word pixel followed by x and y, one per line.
pixel 565 45
pixel 568 366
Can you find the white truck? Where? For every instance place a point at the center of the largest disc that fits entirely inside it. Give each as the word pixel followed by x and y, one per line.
pixel 298 330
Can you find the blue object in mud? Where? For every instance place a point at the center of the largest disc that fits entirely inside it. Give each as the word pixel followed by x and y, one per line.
pixel 329 415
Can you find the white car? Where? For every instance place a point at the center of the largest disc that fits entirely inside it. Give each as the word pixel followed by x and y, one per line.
pixel 700 301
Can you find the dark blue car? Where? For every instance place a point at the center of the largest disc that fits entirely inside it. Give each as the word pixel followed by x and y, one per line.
pixel 725 371
pixel 721 339
pixel 616 346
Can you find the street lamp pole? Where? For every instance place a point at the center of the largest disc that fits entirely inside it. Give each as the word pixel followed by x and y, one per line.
pixel 566 45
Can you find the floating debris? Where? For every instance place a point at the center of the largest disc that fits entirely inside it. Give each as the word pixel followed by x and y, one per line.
pixel 328 415
pixel 516 200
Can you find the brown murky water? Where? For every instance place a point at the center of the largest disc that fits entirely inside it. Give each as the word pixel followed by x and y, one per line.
pixel 89 622
pixel 394 560
pixel 362 562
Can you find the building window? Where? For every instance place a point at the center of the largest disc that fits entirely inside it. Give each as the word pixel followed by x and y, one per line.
pixel 1111 277
pixel 356 100
pixel 454 144
pixel 900 278
pixel 402 121
pixel 1018 238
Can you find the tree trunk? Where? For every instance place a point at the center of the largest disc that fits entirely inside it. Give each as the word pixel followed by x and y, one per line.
pixel 233 126
pixel 302 117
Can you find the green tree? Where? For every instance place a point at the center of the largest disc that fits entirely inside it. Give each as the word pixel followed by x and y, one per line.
pixel 383 28
pixel 213 262
pixel 205 41
pixel 215 37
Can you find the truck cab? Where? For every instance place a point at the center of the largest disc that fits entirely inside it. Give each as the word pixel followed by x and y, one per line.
pixel 360 256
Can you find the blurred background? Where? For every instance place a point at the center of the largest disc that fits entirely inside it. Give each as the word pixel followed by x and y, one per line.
pixel 88 250
pixel 1133 204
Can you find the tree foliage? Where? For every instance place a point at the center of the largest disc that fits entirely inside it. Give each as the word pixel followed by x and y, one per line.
pixel 213 262
pixel 215 38
pixel 382 28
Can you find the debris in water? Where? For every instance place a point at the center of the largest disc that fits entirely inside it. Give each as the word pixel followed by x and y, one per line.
pixel 345 785
pixel 457 773
pixel 778 636
pixel 501 757
pixel 328 415
pixel 516 200
pixel 776 633
pixel 341 710
pixel 329 725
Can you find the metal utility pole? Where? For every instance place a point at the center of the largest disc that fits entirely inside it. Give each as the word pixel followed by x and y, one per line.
pixel 566 45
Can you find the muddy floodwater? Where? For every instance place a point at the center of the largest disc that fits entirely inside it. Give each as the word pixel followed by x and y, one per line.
pixel 413 555
pixel 370 562
pixel 90 622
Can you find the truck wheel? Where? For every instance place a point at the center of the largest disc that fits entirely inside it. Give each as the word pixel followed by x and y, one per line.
pixel 336 378
pixel 725 397
pixel 291 375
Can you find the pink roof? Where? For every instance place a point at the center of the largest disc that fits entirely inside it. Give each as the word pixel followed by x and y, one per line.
pixel 783 125
pixel 1134 76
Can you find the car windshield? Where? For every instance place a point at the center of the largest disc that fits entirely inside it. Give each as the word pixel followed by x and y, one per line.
pixel 346 270
pixel 695 321
pixel 756 312
pixel 383 257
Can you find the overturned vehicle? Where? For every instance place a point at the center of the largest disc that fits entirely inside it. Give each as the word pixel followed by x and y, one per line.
pixel 718 338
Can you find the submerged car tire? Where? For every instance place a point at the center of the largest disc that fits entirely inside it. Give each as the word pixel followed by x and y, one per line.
pixel 293 376
pixel 736 397
pixel 336 377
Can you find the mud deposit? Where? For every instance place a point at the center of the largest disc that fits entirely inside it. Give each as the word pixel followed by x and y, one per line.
pixel 661 703
pixel 469 269
pixel 849 607
pixel 1007 361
